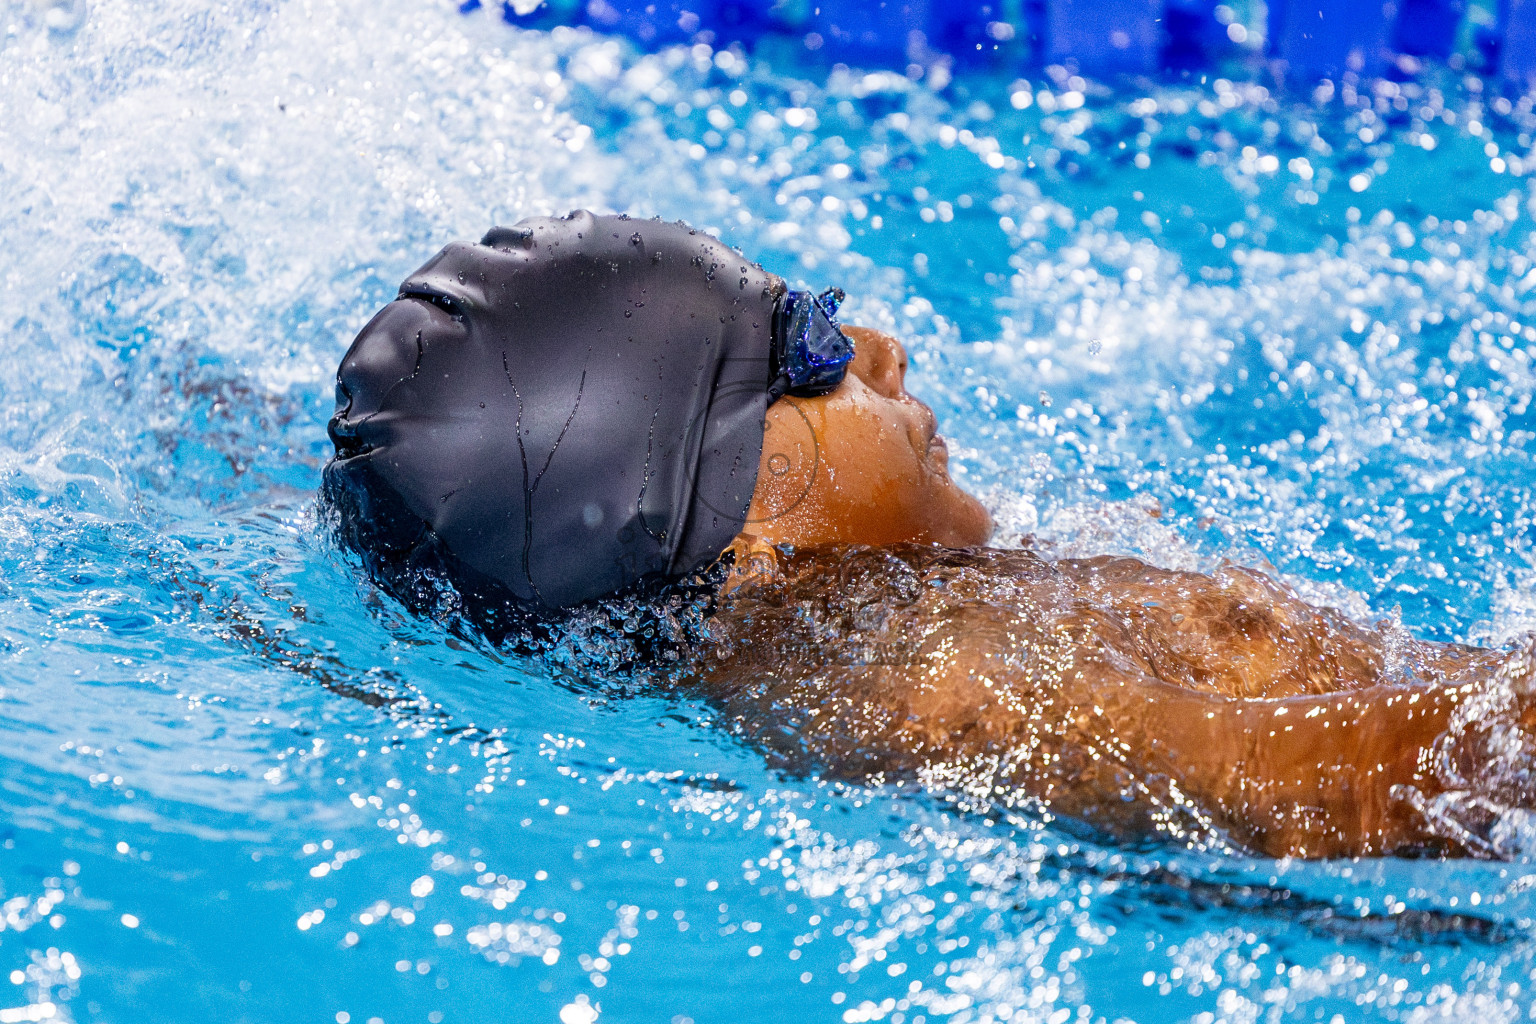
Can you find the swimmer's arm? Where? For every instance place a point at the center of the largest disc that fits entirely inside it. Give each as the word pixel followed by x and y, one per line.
pixel 1300 776
pixel 1306 776
pixel 1309 775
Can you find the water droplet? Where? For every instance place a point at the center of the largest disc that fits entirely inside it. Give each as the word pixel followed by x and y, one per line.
pixel 743 283
pixel 1045 400
pixel 698 261
pixel 634 239
pixel 1095 347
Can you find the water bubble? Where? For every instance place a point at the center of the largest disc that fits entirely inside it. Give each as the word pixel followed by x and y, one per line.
pixel 579 1012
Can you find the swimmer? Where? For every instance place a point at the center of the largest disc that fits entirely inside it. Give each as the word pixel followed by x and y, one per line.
pixel 577 407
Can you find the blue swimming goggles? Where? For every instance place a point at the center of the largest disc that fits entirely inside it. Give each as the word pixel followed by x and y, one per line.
pixel 810 351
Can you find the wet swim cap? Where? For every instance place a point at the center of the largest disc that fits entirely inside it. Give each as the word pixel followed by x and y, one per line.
pixel 569 407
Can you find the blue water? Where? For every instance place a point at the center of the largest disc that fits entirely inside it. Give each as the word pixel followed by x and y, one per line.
pixel 239 784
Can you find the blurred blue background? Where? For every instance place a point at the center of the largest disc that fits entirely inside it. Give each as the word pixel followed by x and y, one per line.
pixel 1301 39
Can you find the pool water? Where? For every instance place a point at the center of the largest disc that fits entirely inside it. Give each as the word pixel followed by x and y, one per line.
pixel 1189 321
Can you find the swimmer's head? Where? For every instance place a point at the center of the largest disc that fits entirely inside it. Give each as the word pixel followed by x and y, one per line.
pixel 576 405
pixel 862 465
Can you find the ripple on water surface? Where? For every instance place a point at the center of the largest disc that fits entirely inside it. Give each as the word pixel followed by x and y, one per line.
pixel 1189 322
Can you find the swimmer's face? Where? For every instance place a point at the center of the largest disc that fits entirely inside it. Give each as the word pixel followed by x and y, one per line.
pixel 863 465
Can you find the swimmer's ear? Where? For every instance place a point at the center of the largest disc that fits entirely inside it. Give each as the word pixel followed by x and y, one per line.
pixel 753 560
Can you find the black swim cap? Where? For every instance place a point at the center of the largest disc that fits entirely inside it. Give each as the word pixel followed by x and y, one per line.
pixel 569 407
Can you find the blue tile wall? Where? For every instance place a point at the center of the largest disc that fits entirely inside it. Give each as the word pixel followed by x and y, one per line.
pixel 1106 35
pixel 1299 39
pixel 1517 41
pixel 1326 38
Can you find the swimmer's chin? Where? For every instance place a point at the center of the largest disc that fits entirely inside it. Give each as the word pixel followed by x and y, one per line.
pixel 970 524
pixel 986 526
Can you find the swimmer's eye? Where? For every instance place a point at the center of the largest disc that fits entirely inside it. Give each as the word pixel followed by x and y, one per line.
pixel 442 302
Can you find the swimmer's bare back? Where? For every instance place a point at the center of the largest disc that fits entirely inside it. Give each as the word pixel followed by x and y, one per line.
pixel 1136 699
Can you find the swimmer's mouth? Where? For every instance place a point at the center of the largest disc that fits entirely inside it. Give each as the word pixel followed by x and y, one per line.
pixel 938 452
pixel 935 441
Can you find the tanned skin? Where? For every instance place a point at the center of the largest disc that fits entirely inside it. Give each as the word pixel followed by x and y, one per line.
pixel 1128 696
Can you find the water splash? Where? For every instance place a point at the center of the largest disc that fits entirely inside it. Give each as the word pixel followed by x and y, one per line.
pixel 204 205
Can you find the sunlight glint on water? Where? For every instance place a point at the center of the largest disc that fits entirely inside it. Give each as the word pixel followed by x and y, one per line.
pixel 239 784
